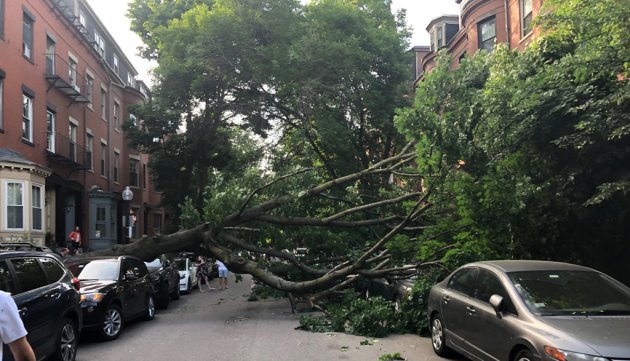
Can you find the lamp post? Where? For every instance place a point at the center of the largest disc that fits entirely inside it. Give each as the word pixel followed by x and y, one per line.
pixel 127 196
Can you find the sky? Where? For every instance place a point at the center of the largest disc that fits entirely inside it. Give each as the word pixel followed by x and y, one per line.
pixel 113 15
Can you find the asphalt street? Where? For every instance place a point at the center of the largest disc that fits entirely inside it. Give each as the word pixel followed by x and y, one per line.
pixel 224 326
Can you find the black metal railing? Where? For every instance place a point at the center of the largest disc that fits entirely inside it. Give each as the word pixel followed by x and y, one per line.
pixel 64 75
pixel 63 150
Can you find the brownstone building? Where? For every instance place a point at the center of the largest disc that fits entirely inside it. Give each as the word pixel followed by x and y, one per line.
pixel 65 89
pixel 480 25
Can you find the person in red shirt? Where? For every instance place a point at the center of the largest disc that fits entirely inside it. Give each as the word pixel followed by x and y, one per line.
pixel 75 240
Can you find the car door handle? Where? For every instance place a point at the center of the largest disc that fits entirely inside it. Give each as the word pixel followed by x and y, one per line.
pixel 471 310
pixel 22 311
pixel 446 299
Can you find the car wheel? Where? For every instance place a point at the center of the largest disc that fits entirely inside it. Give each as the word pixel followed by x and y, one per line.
pixel 189 286
pixel 67 339
pixel 149 312
pixel 524 355
pixel 438 337
pixel 112 323
pixel 175 294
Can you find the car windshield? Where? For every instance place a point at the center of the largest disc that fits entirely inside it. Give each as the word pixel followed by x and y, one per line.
pixel 153 265
pixel 100 270
pixel 551 293
pixel 181 264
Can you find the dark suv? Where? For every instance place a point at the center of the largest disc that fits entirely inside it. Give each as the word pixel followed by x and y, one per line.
pixel 165 279
pixel 47 298
pixel 114 290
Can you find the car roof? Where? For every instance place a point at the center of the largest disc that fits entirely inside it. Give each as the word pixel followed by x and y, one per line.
pixel 7 253
pixel 529 265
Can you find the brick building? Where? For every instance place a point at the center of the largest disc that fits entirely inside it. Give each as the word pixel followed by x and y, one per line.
pixel 479 26
pixel 65 89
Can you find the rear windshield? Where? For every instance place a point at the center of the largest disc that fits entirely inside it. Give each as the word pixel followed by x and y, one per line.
pixel 100 270
pixel 553 293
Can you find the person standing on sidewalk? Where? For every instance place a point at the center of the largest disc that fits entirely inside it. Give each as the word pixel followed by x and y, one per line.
pixel 12 331
pixel 223 273
pixel 202 273
pixel 75 240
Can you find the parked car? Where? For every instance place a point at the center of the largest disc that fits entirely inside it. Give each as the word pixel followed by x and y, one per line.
pixel 165 280
pixel 394 290
pixel 114 290
pixel 47 297
pixel 187 274
pixel 530 310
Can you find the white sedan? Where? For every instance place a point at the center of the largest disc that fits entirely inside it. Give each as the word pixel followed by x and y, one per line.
pixel 187 274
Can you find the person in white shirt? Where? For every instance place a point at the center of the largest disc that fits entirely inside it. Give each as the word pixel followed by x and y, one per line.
pixel 12 331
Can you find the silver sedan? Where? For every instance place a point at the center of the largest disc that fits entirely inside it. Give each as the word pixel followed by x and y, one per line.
pixel 530 310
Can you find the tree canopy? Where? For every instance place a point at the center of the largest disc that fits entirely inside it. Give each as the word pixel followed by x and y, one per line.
pixel 511 155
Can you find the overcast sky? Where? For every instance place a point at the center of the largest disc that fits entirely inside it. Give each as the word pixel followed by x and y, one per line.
pixel 113 15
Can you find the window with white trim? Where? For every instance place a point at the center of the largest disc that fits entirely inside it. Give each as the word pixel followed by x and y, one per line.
pixel 103 157
pixel 89 88
pixel 116 65
pixel 72 71
pixel 116 115
pixel 27 36
pixel 116 166
pixel 103 103
pixel 37 202
pixel 50 130
pixel 27 117
pixel 99 43
pixel 526 17
pixel 133 173
pixel 72 137
pixel 487 33
pixel 90 151
pixel 14 208
pixel 50 55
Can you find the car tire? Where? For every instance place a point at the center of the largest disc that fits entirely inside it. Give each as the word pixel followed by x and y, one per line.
pixel 112 323
pixel 163 297
pixel 149 312
pixel 175 293
pixel 438 337
pixel 67 340
pixel 524 355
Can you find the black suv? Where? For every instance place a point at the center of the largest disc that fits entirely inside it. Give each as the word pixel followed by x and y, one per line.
pixel 47 298
pixel 113 290
pixel 165 279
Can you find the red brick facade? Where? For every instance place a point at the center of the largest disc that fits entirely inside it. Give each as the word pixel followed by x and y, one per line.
pixel 65 89
pixel 482 23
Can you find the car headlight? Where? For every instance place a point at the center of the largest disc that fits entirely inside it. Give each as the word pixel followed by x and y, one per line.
pixel 563 355
pixel 92 297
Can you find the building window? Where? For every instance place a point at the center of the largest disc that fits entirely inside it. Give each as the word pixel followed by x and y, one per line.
pixel 116 166
pixel 99 44
pixel 130 80
pixel 72 72
pixel 526 17
pixel 431 39
pixel 101 222
pixel 462 57
pixel 103 157
pixel 82 19
pixel 133 173
pixel 36 203
pixel 27 36
pixel 14 206
pixel 144 176
pixel 72 136
pixel 50 56
pixel 487 33
pixel 116 115
pixel 116 66
pixel 103 103
pixel 89 88
pixel 90 152
pixel 440 37
pixel 1 18
pixel 157 223
pixel 1 97
pixel 50 130
pixel 27 117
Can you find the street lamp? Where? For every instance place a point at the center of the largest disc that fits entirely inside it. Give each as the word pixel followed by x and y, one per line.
pixel 127 196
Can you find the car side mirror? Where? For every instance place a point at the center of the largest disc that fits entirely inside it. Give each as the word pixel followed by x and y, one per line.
pixel 496 302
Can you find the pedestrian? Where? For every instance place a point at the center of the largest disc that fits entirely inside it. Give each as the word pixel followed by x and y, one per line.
pixel 12 331
pixel 223 273
pixel 75 240
pixel 202 273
